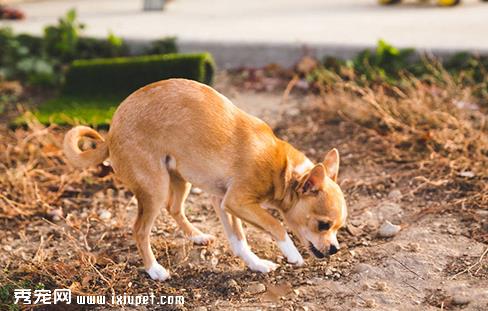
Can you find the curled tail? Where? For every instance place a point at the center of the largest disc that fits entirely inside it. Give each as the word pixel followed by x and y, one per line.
pixel 84 158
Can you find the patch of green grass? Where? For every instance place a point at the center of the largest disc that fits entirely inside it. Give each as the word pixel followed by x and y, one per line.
pixel 71 110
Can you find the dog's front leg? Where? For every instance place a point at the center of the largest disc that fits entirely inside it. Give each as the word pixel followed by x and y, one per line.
pixel 253 213
pixel 235 235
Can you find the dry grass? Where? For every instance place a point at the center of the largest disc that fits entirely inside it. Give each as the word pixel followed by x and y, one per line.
pixel 419 118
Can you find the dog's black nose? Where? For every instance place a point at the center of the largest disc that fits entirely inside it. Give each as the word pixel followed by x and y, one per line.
pixel 332 250
pixel 316 252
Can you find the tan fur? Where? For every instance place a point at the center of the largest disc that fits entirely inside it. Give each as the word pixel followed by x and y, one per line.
pixel 84 159
pixel 175 132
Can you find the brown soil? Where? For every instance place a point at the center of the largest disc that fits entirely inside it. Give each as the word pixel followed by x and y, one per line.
pixel 69 229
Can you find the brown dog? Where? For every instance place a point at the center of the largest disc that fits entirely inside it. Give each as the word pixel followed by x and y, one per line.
pixel 175 132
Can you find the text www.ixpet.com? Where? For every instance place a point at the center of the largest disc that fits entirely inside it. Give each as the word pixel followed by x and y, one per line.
pixel 64 296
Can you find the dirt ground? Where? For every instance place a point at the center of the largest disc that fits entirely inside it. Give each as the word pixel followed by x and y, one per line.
pixel 76 232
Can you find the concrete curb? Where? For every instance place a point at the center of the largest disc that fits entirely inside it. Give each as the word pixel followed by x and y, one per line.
pixel 230 55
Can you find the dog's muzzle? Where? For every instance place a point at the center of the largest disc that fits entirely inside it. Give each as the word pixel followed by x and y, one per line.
pixel 316 252
pixel 319 254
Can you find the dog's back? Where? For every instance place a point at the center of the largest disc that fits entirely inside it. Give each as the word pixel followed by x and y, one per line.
pixel 193 127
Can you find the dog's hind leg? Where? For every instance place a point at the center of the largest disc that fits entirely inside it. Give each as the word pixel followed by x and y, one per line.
pixel 151 196
pixel 179 191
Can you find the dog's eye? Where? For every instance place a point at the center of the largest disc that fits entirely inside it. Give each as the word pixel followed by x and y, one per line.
pixel 324 226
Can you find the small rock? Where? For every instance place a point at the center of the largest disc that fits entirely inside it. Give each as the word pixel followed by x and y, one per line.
pixel 388 230
pixel 353 230
pixel 370 303
pixel 7 248
pixel 467 174
pixel 232 283
pixel 202 254
pixel 395 194
pixel 233 286
pixel 201 309
pixel 362 267
pixel 110 192
pixel 293 112
pixel 485 226
pixel 195 190
pixel 256 288
pixel 55 214
pixel 414 247
pixel 105 215
pixel 451 231
pixel 482 212
pixel 381 286
pixel 356 222
pixel 389 211
pixel 366 286
pixel 460 299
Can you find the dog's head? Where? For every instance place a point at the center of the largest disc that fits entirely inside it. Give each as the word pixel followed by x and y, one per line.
pixel 321 209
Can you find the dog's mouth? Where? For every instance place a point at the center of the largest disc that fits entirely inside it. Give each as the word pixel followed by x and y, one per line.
pixel 315 251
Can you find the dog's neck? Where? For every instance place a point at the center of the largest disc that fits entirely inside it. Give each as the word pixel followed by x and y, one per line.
pixel 288 177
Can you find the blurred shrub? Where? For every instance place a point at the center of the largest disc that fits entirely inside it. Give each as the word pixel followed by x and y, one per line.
pixel 101 48
pixel 163 46
pixel 470 70
pixel 61 40
pixel 125 74
pixel 387 64
pixel 34 44
pixel 21 59
pixel 42 60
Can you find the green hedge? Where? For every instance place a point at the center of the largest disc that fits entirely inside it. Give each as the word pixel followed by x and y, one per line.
pixel 121 76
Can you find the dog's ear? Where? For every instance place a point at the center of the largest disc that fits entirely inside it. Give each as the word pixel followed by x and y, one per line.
pixel 314 179
pixel 331 163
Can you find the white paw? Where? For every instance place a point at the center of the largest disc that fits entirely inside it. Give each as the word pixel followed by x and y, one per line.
pixel 290 251
pixel 157 272
pixel 295 259
pixel 202 239
pixel 262 265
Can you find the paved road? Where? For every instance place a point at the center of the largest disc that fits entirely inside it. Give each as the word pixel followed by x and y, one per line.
pixel 335 25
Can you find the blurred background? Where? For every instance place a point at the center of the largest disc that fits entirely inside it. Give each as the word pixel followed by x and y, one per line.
pixel 400 88
pixel 255 32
